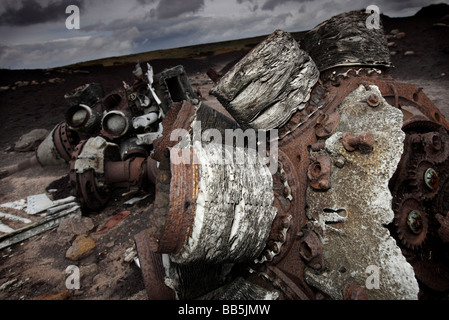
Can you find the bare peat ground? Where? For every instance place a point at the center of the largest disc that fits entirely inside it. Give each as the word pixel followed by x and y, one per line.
pixel 35 268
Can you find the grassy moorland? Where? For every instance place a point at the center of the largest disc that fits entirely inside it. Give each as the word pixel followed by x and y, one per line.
pixel 199 51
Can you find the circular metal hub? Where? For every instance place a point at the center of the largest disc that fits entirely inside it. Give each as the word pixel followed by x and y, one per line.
pixel 411 221
pixel 431 179
pixel 415 221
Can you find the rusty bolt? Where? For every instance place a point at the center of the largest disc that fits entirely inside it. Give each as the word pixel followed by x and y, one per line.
pixel 276 248
pixel 269 255
pixel 373 100
pixel 318 146
pixel 286 191
pixel 363 142
pixel 432 141
pixel 311 250
pixel 319 172
pixel 283 178
pixel 280 237
pixel 285 222
pixel 326 124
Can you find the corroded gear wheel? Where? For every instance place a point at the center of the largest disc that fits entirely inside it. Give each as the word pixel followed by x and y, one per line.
pixel 436 145
pixel 424 176
pixel 411 221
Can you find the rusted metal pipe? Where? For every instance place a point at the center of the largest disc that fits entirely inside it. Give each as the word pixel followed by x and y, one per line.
pixel 56 149
pixel 116 123
pixel 28 163
pixel 84 119
pixel 133 171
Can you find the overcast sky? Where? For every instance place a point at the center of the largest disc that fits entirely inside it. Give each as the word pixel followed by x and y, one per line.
pixel 34 34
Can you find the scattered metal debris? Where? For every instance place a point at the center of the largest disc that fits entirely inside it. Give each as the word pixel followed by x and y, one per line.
pixel 45 223
pixel 38 203
pixel 14 218
pixel 18 204
pixel 50 215
pixel 135 200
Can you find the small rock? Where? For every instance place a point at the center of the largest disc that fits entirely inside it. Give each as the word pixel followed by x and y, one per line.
pixel 74 226
pixel 55 80
pixel 439 24
pixel 31 140
pixel 4 88
pixel 340 162
pixel 34 82
pixel 81 71
pixel 399 35
pixel 393 53
pixel 21 83
pixel 394 31
pixel 391 44
pixel 110 244
pixel 82 247
pixel 409 53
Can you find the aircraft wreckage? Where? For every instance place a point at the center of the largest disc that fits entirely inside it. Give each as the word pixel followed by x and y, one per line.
pixel 346 196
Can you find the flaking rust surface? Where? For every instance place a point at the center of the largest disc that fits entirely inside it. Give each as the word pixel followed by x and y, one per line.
pixel 228 204
pixel 351 217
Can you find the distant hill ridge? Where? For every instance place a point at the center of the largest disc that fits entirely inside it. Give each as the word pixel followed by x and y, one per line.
pixel 201 51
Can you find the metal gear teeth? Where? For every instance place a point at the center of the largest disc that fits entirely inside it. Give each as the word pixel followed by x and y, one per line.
pixel 408 238
pixel 442 155
pixel 417 180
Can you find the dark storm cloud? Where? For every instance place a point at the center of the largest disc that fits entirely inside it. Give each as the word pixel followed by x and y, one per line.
pixel 253 4
pixel 387 5
pixel 271 4
pixel 398 5
pixel 174 8
pixel 115 27
pixel 33 12
pixel 144 2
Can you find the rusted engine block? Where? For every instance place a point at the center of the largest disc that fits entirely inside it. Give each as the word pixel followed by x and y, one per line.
pixel 327 147
pixel 345 194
